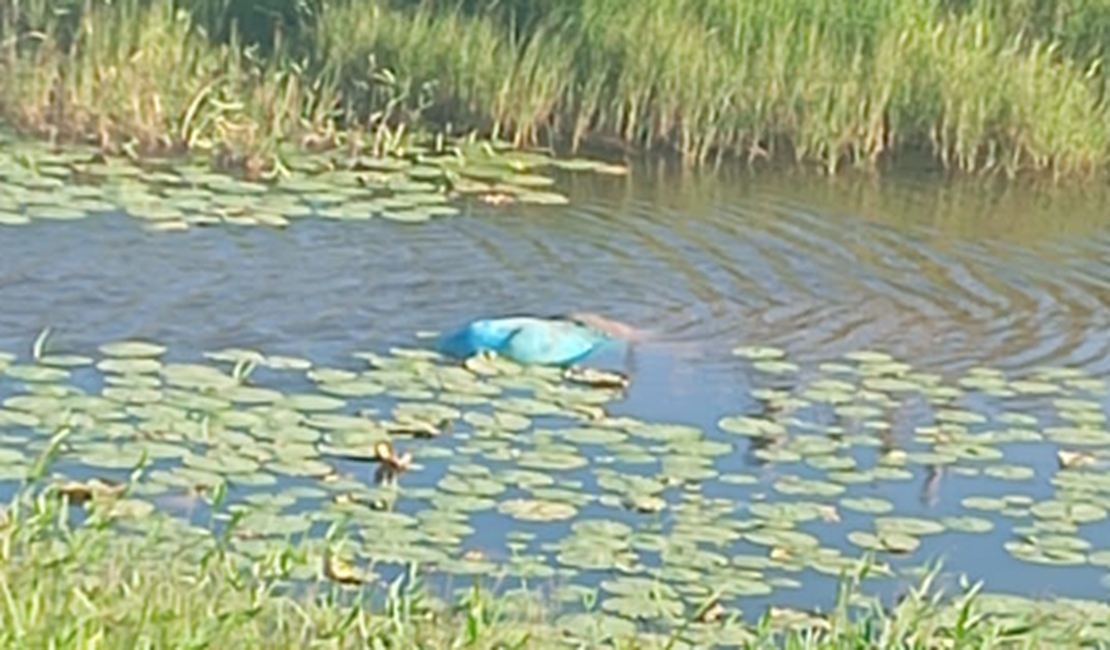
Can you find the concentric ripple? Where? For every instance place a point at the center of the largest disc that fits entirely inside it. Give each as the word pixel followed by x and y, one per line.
pixel 923 270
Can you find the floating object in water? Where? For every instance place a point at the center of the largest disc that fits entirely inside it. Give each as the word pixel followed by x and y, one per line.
pixel 385 455
pixel 596 378
pixel 532 340
pixel 390 464
pixel 79 492
pixel 342 571
pixel 1069 459
pixel 417 427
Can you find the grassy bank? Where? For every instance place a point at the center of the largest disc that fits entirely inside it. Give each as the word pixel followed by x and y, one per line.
pixel 977 84
pixel 114 581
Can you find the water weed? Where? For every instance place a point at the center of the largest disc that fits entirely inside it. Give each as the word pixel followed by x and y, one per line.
pixel 224 502
pixel 99 581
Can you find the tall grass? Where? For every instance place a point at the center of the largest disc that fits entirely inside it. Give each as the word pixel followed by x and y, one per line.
pixel 140 76
pixel 979 85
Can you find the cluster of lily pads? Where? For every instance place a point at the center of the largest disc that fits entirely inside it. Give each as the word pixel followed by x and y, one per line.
pixel 487 468
pixel 38 182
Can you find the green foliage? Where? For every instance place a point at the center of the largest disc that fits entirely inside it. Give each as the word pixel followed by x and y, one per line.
pixel 979 84
pixel 113 582
pixel 256 22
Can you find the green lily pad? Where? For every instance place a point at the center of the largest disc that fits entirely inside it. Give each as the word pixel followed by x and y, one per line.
pixel 596 627
pixel 252 395
pixel 54 212
pixel 38 374
pixel 13 219
pixel 278 362
pixel 780 512
pixel 134 348
pixel 550 460
pixel 782 538
pixel 991 504
pixel 195 376
pixel 759 353
pixel 450 502
pixel 643 607
pixel 909 525
pixel 356 388
pixel 1040 555
pixel 133 395
pixel 221 462
pixel 605 528
pixel 267 523
pixel 11 456
pixel 799 486
pixel 471 485
pixel 775 367
pixel 1078 512
pixel 38 404
pixel 312 403
pixel 125 366
pixel 110 456
pixel 537 510
pixel 10 418
pixel 869 357
pixel 870 505
pixel 65 360
pixel 751 426
pixel 1010 472
pixel 890 541
pixel 968 524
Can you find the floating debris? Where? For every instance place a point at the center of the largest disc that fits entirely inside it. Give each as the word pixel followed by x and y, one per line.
pixel 596 378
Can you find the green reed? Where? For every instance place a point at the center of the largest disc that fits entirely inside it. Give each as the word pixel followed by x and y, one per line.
pixel 978 85
pixel 143 77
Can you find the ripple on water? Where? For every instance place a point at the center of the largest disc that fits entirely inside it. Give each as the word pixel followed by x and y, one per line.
pixel 812 267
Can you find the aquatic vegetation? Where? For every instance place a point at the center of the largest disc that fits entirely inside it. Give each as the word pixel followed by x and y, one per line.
pixel 977 84
pixel 145 80
pixel 177 194
pixel 260 476
pixel 112 579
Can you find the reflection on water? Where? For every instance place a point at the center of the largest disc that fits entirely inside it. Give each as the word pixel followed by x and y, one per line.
pixel 948 275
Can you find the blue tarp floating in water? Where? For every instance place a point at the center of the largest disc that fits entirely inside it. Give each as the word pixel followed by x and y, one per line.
pixel 525 339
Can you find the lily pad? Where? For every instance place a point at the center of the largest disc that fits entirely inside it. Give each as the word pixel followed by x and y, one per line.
pixel 537 510
pixel 870 505
pixel 909 525
pixel 133 348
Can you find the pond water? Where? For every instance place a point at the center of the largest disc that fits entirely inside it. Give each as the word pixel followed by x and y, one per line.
pixel 949 277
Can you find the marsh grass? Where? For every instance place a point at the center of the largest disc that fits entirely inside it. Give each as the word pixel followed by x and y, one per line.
pixel 144 79
pixel 823 82
pixel 980 85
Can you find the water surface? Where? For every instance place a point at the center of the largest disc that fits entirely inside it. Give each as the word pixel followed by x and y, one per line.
pixel 945 275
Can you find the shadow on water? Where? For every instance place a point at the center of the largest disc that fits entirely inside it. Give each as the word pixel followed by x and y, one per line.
pixel 947 275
